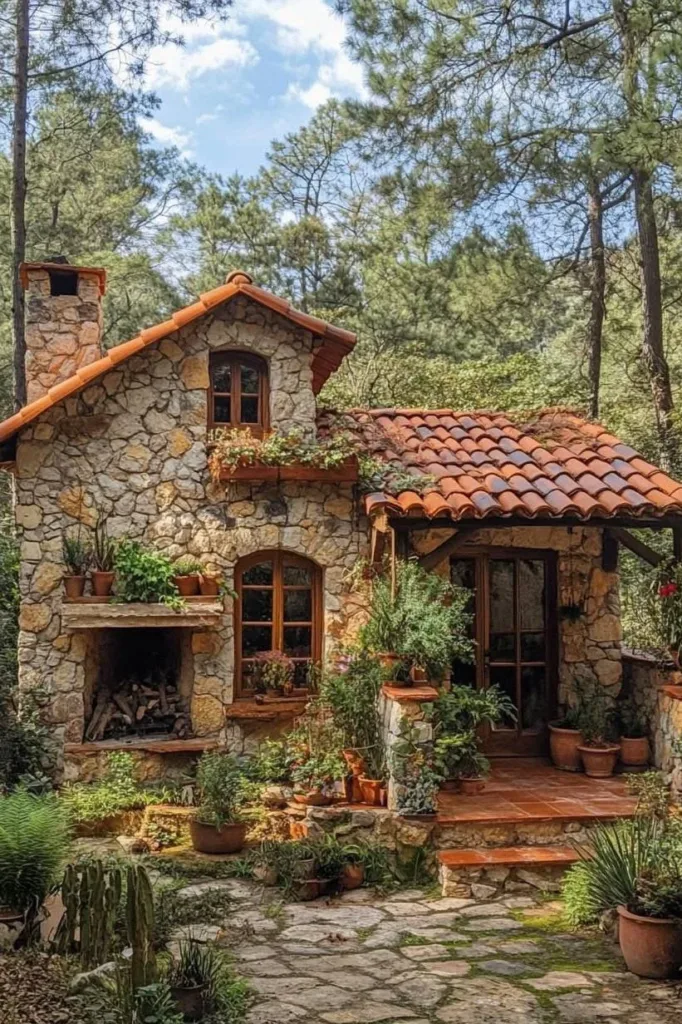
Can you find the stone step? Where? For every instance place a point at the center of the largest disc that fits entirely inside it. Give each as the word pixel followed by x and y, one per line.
pixel 485 872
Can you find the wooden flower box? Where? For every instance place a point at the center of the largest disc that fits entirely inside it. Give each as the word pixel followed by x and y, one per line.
pixel 345 473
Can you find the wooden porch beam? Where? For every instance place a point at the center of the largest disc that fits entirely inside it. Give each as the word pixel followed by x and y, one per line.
pixel 405 523
pixel 638 547
pixel 448 547
pixel 609 552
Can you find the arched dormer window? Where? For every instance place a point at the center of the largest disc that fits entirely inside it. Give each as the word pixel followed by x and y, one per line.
pixel 239 392
pixel 278 608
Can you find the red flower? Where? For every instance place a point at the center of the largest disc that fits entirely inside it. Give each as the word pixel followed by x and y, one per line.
pixel 667 590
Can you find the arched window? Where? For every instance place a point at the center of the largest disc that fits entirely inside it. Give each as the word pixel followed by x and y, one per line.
pixel 278 608
pixel 239 391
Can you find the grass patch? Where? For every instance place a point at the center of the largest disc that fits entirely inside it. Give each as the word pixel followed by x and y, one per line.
pixel 551 922
pixel 171 910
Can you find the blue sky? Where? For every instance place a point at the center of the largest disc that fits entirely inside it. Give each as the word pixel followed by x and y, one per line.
pixel 238 83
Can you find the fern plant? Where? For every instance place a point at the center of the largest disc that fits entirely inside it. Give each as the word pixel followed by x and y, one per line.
pixel 34 841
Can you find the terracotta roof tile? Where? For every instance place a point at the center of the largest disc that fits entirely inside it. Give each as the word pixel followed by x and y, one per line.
pixel 335 344
pixel 484 466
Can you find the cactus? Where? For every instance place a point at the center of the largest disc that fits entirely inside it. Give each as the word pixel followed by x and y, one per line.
pixel 140 924
pixel 91 896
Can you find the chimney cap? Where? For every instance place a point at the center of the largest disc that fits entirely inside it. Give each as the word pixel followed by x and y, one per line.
pixel 60 263
pixel 238 277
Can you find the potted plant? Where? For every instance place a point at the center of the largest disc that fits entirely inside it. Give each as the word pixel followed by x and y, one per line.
pixel 598 753
pixel 34 842
pixel 460 714
pixel 314 778
pixel 192 978
pixel 274 673
pixel 103 559
pixel 351 694
pixel 352 874
pixel 634 734
pixel 414 773
pixel 421 622
pixel 77 556
pixel 187 572
pixel 650 925
pixel 564 740
pixel 144 575
pixel 216 827
pixel 211 583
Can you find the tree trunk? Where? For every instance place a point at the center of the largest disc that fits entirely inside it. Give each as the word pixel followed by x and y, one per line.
pixel 19 198
pixel 653 352
pixel 595 214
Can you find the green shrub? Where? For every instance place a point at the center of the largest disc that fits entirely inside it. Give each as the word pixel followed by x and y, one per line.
pixel 188 566
pixel 272 762
pixel 352 697
pixel 459 714
pixel 34 841
pixel 221 790
pixel 144 575
pixel 118 790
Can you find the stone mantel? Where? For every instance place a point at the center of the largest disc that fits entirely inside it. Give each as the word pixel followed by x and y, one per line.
pixel 197 613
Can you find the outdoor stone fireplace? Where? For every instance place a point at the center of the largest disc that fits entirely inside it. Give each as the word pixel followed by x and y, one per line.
pixel 139 685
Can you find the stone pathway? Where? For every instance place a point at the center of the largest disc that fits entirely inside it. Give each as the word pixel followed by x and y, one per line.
pixel 363 958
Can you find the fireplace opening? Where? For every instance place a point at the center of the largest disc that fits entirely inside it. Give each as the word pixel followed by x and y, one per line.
pixel 139 689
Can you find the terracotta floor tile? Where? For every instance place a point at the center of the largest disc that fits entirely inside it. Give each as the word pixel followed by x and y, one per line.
pixel 509 855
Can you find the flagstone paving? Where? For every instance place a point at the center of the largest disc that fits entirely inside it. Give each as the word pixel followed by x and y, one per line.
pixel 364 958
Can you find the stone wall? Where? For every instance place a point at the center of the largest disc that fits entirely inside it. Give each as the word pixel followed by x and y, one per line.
pixel 63 332
pixel 394 712
pixel 589 647
pixel 655 688
pixel 133 445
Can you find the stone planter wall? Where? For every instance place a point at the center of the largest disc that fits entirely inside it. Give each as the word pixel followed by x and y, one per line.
pixel 405 706
pixel 134 446
pixel 657 688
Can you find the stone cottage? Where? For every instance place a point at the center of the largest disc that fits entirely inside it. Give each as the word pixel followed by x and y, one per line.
pixel 528 515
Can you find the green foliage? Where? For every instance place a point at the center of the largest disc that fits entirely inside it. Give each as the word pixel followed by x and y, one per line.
pixel 352 698
pixel 632 718
pixel 320 857
pixel 274 671
pixel 144 575
pixel 76 554
pixel 318 771
pixel 119 1001
pixel 597 716
pixel 118 790
pixel 220 789
pixel 34 841
pixel 103 547
pixel 425 622
pixel 139 916
pixel 235 447
pixel 459 713
pixel 271 762
pixel 173 911
pixel 188 566
pixel 196 966
pixel 414 772
pixel 652 793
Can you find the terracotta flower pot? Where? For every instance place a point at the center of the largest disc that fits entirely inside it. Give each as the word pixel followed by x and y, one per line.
pixel 472 786
pixel 308 889
pixel 352 876
pixel 209 839
pixel 188 586
pixel 313 798
pixel 563 747
pixel 651 946
pixel 356 763
pixel 209 586
pixel 634 751
pixel 371 791
pixel 74 586
pixel 190 1001
pixel 599 762
pixel 451 785
pixel 418 675
pixel 102 583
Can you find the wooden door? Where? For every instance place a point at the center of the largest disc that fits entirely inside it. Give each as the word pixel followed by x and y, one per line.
pixel 515 632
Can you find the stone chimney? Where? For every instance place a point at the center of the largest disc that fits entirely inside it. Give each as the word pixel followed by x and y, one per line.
pixel 63 321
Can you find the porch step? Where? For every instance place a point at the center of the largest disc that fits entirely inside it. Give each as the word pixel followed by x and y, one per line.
pixel 488 871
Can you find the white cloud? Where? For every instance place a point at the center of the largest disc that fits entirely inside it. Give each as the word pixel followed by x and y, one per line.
pixel 300 24
pixel 338 77
pixel 204 118
pixel 175 66
pixel 168 135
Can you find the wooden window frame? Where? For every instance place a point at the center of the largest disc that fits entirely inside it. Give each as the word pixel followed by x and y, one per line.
pixel 279 558
pixel 236 359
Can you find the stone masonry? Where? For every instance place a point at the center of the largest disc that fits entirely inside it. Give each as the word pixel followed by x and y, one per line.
pixel 134 446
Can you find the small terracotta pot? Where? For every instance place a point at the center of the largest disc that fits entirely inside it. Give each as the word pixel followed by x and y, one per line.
pixel 209 586
pixel 74 586
pixel 102 583
pixel 190 1001
pixel 352 876
pixel 356 763
pixel 599 762
pixel 563 746
pixel 634 751
pixel 651 946
pixel 304 869
pixel 208 839
pixel 418 675
pixel 188 586
pixel 471 787
pixel 371 791
pixel 313 798
pixel 309 889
